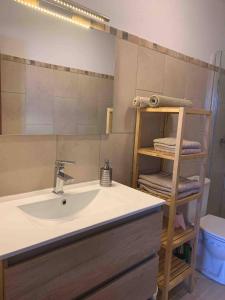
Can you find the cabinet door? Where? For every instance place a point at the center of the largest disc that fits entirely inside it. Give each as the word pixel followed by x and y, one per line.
pixel 138 284
pixel 68 272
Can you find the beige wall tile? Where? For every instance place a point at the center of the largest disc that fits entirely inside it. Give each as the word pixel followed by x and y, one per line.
pixel 39 109
pixel 84 151
pixel 190 168
pixel 66 84
pixel 150 74
pixel 171 125
pixel 13 77
pixel 39 79
pixel 175 77
pixel 87 106
pixel 83 129
pixel 12 113
pixel 26 163
pixel 196 85
pixel 196 89
pixel 65 115
pixel 124 87
pixel 39 95
pixel 39 129
pixel 149 165
pixel 118 148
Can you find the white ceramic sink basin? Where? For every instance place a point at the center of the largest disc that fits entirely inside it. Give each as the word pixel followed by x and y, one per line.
pixel 41 217
pixel 67 206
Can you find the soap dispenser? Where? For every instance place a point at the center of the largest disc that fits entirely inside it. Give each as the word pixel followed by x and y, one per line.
pixel 106 175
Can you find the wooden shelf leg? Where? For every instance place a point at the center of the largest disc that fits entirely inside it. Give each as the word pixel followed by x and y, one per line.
pixel 137 143
pixel 205 145
pixel 1 280
pixel 172 210
pixel 163 133
pixel 169 252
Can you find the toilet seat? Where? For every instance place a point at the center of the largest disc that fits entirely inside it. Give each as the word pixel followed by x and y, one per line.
pixel 214 226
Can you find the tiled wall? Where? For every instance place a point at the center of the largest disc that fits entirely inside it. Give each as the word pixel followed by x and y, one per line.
pixel 142 71
pixel 26 163
pixel 49 100
pixel 139 71
pixel 89 152
pixel 28 91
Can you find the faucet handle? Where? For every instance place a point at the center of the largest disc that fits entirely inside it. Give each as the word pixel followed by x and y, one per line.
pixel 63 162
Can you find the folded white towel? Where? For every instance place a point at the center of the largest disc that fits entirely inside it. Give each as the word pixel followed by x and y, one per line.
pixel 167 195
pixel 171 142
pixel 172 149
pixel 159 100
pixel 163 181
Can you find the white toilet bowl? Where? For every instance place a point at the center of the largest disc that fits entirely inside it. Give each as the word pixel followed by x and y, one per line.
pixel 211 249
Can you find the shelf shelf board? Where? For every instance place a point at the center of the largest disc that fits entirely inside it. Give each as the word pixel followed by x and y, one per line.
pixel 180 237
pixel 176 110
pixel 179 272
pixel 150 151
pixel 170 201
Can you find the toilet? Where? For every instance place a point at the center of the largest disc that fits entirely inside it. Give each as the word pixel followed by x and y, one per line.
pixel 211 244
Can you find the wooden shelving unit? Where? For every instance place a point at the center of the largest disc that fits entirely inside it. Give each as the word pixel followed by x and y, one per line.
pixel 173 270
pixel 150 151
pixel 179 271
pixel 179 238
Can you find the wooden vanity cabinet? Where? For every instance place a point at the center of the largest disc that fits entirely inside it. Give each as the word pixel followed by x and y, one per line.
pixel 137 284
pixel 117 263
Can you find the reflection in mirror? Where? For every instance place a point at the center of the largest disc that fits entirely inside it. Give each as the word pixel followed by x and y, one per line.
pixel 43 96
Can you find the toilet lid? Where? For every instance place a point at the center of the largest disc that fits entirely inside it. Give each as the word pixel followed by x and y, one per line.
pixel 214 226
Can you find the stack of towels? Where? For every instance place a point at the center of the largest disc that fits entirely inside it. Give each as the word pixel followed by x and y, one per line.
pixel 162 183
pixel 168 144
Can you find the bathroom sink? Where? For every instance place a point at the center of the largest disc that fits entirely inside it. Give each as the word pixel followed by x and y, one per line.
pixel 66 206
pixel 41 217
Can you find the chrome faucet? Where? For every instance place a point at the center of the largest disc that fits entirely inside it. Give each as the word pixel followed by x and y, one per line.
pixel 60 177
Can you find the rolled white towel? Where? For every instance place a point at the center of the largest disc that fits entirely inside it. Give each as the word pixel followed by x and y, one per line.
pixel 159 100
pixel 141 101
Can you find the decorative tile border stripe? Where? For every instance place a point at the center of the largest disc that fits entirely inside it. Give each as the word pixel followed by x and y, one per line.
pixel 54 67
pixel 121 35
pixel 153 46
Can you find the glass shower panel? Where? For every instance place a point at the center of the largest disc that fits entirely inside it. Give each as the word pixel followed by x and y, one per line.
pixel 216 204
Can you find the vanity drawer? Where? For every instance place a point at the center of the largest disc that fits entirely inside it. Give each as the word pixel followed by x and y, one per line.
pixel 70 271
pixel 138 284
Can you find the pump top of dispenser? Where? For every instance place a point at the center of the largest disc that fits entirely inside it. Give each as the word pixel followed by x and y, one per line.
pixel 106 166
pixel 106 175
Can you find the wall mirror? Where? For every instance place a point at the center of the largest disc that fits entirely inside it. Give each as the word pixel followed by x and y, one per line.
pixel 58 86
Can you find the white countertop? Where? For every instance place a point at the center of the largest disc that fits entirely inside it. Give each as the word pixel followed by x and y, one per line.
pixel 20 232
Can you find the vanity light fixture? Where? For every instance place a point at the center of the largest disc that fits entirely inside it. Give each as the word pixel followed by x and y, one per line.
pixel 65 11
pixel 84 11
